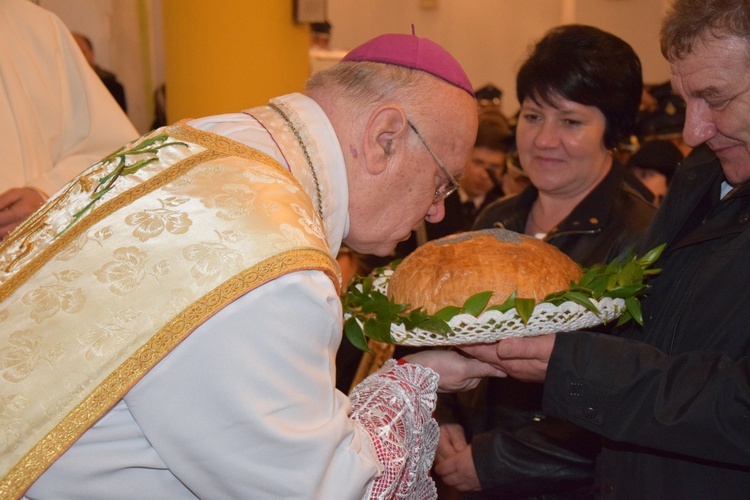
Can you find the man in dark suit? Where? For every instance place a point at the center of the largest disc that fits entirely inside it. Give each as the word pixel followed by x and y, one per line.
pixel 670 398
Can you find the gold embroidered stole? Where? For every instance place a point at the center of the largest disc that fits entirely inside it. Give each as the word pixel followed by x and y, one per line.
pixel 123 264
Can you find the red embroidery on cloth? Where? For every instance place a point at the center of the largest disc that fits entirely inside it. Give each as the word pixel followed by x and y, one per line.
pixel 395 406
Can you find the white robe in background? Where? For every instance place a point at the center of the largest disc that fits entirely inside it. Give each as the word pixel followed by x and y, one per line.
pixel 56 116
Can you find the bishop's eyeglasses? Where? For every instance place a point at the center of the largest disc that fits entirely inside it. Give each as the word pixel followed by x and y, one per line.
pixel 449 185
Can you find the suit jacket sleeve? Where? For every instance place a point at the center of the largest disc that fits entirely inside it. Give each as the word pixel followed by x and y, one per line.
pixel 630 391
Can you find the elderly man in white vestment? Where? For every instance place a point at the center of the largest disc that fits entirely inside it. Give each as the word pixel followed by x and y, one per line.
pixel 169 320
pixel 56 116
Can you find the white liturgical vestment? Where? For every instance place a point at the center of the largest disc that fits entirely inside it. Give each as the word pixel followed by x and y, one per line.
pixel 245 406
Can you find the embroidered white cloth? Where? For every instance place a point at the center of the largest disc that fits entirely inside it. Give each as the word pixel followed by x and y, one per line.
pixel 395 405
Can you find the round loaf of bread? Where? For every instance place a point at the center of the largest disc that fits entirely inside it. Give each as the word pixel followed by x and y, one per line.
pixel 447 271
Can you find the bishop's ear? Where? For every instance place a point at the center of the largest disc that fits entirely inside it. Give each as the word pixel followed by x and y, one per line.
pixel 387 130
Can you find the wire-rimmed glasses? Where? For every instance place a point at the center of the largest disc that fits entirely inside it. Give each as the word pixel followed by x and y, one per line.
pixel 447 188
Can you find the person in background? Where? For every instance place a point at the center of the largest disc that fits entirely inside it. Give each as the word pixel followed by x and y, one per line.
pixel 671 398
pixel 108 78
pixel 662 116
pixel 322 55
pixel 654 165
pixel 160 107
pixel 579 90
pixel 481 181
pixel 169 321
pixel 320 35
pixel 55 114
pixel 489 97
pixel 515 179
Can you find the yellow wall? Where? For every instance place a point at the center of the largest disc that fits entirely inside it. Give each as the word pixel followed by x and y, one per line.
pixel 228 55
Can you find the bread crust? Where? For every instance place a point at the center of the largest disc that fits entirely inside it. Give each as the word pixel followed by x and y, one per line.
pixel 447 271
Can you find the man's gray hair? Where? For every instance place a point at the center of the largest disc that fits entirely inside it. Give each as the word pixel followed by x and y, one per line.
pixel 366 84
pixel 689 21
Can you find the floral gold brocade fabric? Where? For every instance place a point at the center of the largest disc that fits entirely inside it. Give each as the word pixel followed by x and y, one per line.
pixel 121 265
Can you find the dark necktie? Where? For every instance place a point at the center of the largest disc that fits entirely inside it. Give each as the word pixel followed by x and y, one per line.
pixel 470 211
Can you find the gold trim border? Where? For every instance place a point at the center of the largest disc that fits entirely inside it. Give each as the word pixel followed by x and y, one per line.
pixel 114 387
pixel 227 146
pixel 221 147
pixel 100 213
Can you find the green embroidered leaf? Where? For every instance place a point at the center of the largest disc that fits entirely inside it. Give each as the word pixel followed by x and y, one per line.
pixel 121 168
pixel 135 167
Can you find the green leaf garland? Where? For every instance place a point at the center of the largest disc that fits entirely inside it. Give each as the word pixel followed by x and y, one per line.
pixel 370 313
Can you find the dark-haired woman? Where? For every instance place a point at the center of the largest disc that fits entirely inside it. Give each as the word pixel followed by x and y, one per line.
pixel 579 92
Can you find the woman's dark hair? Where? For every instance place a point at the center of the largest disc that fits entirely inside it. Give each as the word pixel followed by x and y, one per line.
pixel 588 66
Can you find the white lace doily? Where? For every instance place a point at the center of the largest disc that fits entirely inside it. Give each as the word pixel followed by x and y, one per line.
pixel 492 326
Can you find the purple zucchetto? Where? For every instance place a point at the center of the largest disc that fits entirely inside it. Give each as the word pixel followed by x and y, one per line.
pixel 413 52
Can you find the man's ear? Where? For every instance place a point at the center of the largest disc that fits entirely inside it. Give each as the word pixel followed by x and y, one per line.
pixel 385 131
